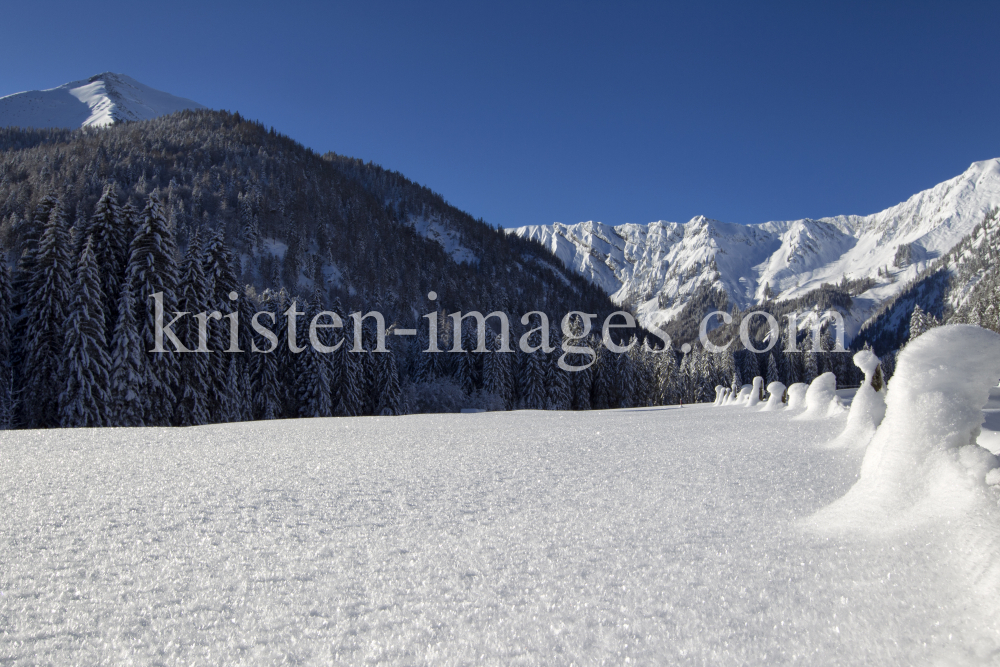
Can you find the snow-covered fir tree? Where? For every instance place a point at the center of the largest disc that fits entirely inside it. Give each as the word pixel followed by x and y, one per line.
pixel 128 367
pixel 84 400
pixel 152 269
pixel 45 316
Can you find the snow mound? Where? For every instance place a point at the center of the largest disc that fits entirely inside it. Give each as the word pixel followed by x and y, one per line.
pixel 755 393
pixel 867 408
pixel 821 398
pixel 776 401
pixel 797 395
pixel 923 462
pixel 720 394
pixel 743 397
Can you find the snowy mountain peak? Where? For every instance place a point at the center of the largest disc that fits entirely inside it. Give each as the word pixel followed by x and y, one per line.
pixel 658 268
pixel 103 99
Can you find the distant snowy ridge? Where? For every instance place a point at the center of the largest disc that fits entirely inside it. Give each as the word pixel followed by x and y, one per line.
pixel 101 100
pixel 660 266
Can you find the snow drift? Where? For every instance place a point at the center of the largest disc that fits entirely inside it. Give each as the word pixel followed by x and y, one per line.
pixel 867 408
pixel 821 398
pixel 776 400
pixel 923 462
pixel 797 395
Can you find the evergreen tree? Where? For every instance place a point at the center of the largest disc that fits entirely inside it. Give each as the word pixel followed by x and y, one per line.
pixel 264 377
pixel 194 372
pixel 111 251
pixel 496 372
pixel 84 400
pixel 312 371
pixel 390 395
pixel 350 403
pixel 533 382
pixel 811 370
pixel 558 396
pixel 772 370
pixel 46 318
pixel 7 397
pixel 232 399
pixel 128 368
pixel 921 321
pixel 152 269
pixel 220 282
pixel 666 377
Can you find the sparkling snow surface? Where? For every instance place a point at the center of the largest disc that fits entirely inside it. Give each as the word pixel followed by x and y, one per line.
pixel 668 535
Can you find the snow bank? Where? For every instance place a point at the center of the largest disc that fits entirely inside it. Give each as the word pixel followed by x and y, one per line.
pixel 797 395
pixel 867 408
pixel 821 398
pixel 755 393
pixel 744 396
pixel 776 401
pixel 720 393
pixel 923 462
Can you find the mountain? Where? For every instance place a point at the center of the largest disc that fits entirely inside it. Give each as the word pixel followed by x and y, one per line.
pixel 658 269
pixel 101 100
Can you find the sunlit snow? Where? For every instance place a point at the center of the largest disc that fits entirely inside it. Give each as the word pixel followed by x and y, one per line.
pixel 662 535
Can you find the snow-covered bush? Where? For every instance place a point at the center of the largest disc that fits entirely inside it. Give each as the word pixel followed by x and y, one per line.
pixel 923 462
pixel 743 398
pixel 756 392
pixel 797 395
pixel 821 398
pixel 777 398
pixel 867 408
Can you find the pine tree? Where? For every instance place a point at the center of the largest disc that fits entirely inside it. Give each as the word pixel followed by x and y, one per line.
pixel 533 382
pixel 921 321
pixel 266 396
pixel 152 269
pixel 111 251
pixel 46 317
pixel 195 387
pixel 559 396
pixel 497 378
pixel 7 397
pixel 312 371
pixel 811 370
pixel 390 395
pixel 666 377
pixel 128 367
pixel 221 283
pixel 232 401
pixel 772 370
pixel 350 403
pixel 84 400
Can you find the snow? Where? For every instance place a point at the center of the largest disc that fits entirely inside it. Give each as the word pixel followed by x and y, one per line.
pixel 797 395
pixel 755 392
pixel 435 229
pixel 775 400
pixel 669 535
pixel 821 398
pixel 924 462
pixel 640 264
pixel 867 407
pixel 98 101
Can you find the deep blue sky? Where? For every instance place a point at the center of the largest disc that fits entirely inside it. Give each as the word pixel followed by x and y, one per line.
pixel 526 114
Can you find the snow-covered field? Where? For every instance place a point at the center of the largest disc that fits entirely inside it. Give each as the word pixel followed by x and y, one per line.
pixel 662 535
